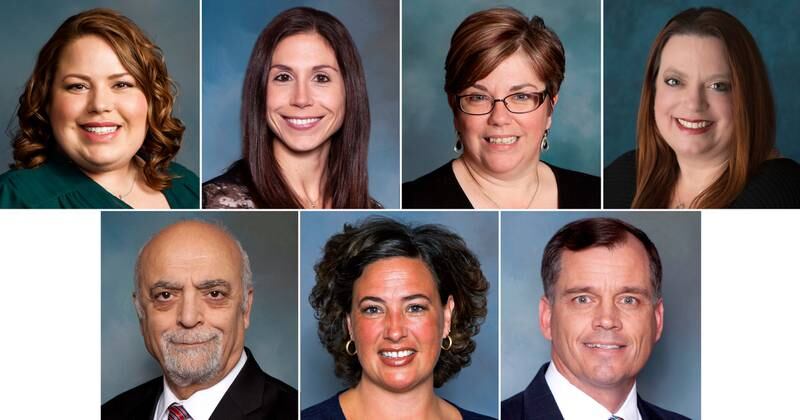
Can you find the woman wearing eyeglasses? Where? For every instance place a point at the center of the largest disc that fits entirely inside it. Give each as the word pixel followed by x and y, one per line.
pixel 502 77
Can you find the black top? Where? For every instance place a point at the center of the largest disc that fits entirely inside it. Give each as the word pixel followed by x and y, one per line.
pixel 775 185
pixel 331 410
pixel 440 190
pixel 536 402
pixel 252 395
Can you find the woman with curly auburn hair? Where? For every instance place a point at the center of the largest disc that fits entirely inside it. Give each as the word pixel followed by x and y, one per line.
pixel 398 307
pixel 95 123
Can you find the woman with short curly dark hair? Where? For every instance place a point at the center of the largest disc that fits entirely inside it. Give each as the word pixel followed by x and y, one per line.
pixel 398 307
pixel 96 128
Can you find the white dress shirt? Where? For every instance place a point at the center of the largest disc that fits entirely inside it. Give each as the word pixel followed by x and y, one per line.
pixel 202 403
pixel 574 404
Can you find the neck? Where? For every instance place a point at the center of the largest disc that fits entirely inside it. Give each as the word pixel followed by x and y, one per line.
pixel 611 397
pixel 304 172
pixel 518 189
pixel 370 400
pixel 694 178
pixel 119 181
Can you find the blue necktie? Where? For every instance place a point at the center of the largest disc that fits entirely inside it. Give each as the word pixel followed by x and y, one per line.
pixel 613 417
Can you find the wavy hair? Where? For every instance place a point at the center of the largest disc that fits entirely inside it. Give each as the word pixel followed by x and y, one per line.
pixel 346 183
pixel 34 141
pixel 753 107
pixel 455 269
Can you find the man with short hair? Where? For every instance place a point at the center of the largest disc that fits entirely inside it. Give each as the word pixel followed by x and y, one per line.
pixel 193 295
pixel 603 313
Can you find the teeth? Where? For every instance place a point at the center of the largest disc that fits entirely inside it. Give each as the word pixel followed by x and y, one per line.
pixel 603 346
pixel 302 121
pixel 397 354
pixel 101 130
pixel 503 140
pixel 694 125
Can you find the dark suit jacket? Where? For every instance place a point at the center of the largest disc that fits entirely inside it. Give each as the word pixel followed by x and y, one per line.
pixel 252 395
pixel 536 402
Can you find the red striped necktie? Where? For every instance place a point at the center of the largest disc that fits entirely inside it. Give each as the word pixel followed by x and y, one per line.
pixel 177 412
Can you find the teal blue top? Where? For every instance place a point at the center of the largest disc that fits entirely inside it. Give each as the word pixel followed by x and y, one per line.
pixel 59 184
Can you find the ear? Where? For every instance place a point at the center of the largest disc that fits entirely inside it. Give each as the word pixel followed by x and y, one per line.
pixel 449 306
pixel 137 306
pixel 545 313
pixel 552 109
pixel 659 318
pixel 349 326
pixel 248 307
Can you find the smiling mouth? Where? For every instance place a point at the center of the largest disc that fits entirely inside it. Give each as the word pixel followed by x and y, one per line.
pixel 604 346
pixel 396 354
pixel 105 129
pixel 302 123
pixel 502 140
pixel 694 125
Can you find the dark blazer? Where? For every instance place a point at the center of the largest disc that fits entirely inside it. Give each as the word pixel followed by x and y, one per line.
pixel 536 402
pixel 252 395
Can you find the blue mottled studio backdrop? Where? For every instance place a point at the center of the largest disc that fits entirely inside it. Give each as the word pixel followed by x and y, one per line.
pixel 230 30
pixel 270 239
pixel 475 387
pixel 631 27
pixel 25 26
pixel 428 133
pixel 671 378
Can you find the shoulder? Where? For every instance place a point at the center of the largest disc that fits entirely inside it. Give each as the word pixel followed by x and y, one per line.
pixel 184 192
pixel 775 184
pixel 436 190
pixel 513 407
pixel 325 410
pixel 230 190
pixel 183 174
pixel 620 181
pixel 469 415
pixel 576 189
pixel 38 187
pixel 652 412
pixel 141 400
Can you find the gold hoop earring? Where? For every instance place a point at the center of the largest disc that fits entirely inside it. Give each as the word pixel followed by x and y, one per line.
pixel 347 348
pixel 449 343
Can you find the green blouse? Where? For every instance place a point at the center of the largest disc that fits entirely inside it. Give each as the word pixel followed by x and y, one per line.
pixel 59 184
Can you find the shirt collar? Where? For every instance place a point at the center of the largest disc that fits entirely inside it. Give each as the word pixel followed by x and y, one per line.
pixel 201 404
pixel 575 404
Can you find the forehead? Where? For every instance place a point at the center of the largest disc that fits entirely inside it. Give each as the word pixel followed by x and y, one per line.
pixel 515 70
pixel 623 266
pixel 698 53
pixel 191 252
pixel 395 277
pixel 89 54
pixel 304 48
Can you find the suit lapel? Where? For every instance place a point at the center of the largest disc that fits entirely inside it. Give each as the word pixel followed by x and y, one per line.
pixel 538 400
pixel 244 395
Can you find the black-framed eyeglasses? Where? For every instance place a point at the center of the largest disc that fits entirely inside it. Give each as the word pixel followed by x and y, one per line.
pixel 516 103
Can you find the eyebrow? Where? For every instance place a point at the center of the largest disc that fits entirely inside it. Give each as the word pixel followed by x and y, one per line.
pixel 85 77
pixel 166 284
pixel 405 298
pixel 315 68
pixel 210 284
pixel 511 89
pixel 683 75
pixel 625 290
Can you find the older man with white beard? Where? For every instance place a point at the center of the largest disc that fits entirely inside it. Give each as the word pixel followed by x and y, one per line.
pixel 193 295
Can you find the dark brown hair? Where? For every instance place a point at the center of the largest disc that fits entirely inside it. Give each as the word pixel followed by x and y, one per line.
pixel 589 233
pixel 141 58
pixel 346 183
pixel 486 38
pixel 455 269
pixel 753 109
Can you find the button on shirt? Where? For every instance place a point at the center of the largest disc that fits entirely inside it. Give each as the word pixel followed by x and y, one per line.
pixel 574 404
pixel 202 403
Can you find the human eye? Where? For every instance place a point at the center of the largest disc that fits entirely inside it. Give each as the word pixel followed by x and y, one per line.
pixel 217 295
pixel 720 86
pixel 416 308
pixel 582 299
pixel 671 81
pixel 77 87
pixel 476 98
pixel 370 310
pixel 163 296
pixel 629 300
pixel 123 84
pixel 322 78
pixel 521 97
pixel 282 77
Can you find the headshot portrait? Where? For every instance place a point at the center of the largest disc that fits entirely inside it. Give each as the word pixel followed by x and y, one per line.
pixel 399 314
pixel 513 121
pixel 301 104
pixel 101 105
pixel 199 315
pixel 700 106
pixel 601 315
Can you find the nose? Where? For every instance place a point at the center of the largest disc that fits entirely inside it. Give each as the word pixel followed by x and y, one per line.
pixel 607 317
pixel 500 115
pixel 696 99
pixel 190 313
pixel 395 328
pixel 301 95
pixel 101 100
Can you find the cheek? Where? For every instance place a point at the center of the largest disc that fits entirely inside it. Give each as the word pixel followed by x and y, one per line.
pixel 64 108
pixel 134 109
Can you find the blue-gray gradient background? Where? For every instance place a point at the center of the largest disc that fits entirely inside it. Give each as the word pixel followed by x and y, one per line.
pixel 428 133
pixel 270 239
pixel 475 387
pixel 671 379
pixel 25 26
pixel 631 27
pixel 230 30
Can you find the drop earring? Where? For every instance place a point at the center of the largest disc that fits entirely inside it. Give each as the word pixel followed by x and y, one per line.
pixel 545 144
pixel 458 146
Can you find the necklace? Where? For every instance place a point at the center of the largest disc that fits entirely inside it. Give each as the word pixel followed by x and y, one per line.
pixel 486 194
pixel 133 182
